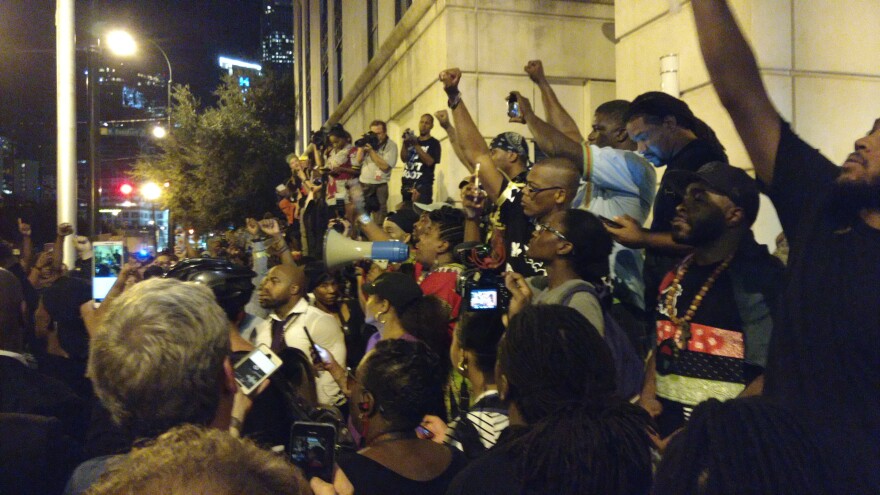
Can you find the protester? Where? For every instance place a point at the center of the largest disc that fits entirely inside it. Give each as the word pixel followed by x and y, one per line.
pixel 188 459
pixel 668 134
pixel 329 295
pixel 742 446
pixel 823 355
pixel 616 181
pixel 473 352
pixel 714 318
pixel 420 155
pixel 574 247
pixel 435 251
pixel 283 291
pixel 568 435
pixel 396 385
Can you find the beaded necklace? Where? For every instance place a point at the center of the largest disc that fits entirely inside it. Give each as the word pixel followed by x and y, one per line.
pixel 684 323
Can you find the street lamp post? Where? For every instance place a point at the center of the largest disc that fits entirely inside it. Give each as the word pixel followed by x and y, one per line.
pixel 151 192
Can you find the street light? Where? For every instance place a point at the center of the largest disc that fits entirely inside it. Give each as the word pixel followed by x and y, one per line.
pixel 121 43
pixel 151 192
pixel 159 132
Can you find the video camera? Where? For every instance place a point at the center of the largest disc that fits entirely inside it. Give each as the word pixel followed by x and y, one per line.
pixel 369 138
pixel 481 284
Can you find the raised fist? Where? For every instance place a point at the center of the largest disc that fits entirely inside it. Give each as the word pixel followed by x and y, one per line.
pixel 270 227
pixel 450 78
pixel 65 229
pixel 24 228
pixel 252 227
pixel 535 70
pixel 442 118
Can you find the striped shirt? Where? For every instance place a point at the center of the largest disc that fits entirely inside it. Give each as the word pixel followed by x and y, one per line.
pixel 489 417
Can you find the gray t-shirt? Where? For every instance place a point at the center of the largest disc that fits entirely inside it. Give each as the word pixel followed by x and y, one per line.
pixel 582 301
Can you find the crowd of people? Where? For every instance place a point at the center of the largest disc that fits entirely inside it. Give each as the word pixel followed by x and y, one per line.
pixel 541 338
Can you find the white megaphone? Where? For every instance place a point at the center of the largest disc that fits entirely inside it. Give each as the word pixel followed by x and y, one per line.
pixel 339 250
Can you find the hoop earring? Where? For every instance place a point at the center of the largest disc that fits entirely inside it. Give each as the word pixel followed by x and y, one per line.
pixel 379 317
pixel 462 366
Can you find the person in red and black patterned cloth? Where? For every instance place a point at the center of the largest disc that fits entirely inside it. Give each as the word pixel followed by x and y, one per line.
pixel 713 315
pixel 435 245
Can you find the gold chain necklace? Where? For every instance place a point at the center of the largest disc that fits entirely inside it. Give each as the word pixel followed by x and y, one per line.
pixel 684 323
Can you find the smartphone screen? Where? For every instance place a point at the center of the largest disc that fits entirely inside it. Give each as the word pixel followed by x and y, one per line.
pixel 254 368
pixel 107 257
pixel 483 299
pixel 312 447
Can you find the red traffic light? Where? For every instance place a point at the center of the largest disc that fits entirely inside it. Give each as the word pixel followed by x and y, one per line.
pixel 126 189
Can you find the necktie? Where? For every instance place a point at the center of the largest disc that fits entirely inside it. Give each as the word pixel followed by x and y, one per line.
pixel 278 343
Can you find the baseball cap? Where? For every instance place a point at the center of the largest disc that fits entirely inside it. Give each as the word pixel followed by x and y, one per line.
pixel 721 178
pixel 513 142
pixel 397 288
pixel 428 207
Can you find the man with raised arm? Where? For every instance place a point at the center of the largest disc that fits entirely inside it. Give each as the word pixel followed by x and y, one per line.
pixel 616 182
pixel 824 354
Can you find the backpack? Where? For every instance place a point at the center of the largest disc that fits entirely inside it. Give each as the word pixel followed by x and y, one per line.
pixel 629 369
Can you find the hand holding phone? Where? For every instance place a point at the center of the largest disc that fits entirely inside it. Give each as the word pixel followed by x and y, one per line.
pixel 312 448
pixel 255 368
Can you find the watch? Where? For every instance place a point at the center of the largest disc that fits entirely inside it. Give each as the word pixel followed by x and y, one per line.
pixel 364 218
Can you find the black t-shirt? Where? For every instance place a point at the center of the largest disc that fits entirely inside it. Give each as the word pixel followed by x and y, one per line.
pixel 510 220
pixel 369 477
pixel 62 300
pixel 418 175
pixel 824 358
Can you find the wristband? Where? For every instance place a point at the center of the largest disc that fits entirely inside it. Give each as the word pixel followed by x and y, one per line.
pixel 364 218
pixel 454 100
pixel 235 423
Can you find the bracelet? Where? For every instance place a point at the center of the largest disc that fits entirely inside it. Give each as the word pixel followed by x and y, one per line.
pixel 364 218
pixel 454 100
pixel 235 423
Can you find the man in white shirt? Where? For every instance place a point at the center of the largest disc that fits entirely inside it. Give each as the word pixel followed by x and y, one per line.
pixel 376 165
pixel 282 291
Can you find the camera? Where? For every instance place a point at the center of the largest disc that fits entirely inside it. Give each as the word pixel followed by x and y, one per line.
pixel 409 135
pixel 481 288
pixel 319 138
pixel 369 138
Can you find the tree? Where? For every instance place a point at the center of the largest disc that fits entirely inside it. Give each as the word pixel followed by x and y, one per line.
pixel 222 163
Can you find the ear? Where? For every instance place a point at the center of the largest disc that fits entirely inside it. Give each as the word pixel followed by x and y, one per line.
pixel 503 387
pixel 565 249
pixel 295 290
pixel 670 120
pixel 620 135
pixel 367 404
pixel 735 216
pixel 444 247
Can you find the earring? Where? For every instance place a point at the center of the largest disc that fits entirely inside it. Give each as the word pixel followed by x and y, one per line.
pixel 379 317
pixel 462 366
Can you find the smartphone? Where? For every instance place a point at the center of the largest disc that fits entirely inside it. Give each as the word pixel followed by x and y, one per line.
pixel 254 368
pixel 513 110
pixel 312 447
pixel 609 222
pixel 107 259
pixel 312 342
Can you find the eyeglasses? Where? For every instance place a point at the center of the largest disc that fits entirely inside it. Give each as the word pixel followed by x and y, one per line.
pixel 540 227
pixel 533 190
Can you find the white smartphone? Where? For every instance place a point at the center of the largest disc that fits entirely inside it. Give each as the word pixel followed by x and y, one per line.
pixel 107 260
pixel 254 368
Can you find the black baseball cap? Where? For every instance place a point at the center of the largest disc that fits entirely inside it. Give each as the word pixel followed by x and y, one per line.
pixel 721 178
pixel 397 288
pixel 406 219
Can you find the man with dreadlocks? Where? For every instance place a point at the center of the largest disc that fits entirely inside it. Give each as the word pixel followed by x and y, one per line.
pixel 749 445
pixel 568 433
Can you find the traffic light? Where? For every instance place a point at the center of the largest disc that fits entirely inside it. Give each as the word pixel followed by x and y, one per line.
pixel 126 188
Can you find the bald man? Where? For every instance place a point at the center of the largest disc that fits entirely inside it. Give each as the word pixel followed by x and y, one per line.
pixel 283 292
pixel 551 185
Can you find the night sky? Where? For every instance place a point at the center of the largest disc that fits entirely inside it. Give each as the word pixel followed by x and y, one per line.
pixel 192 32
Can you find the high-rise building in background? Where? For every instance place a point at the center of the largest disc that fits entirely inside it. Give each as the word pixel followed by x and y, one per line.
pixel 276 36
